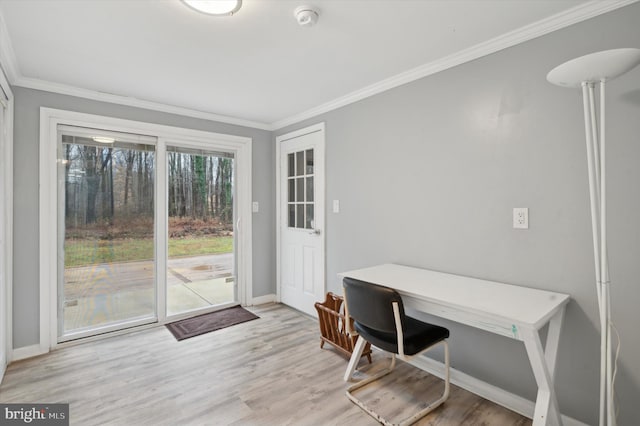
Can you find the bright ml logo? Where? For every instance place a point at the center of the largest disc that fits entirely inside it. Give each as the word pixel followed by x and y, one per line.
pixel 27 416
pixel 34 414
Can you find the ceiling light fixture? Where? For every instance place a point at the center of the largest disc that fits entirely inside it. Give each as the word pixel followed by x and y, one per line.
pixel 306 16
pixel 103 139
pixel 215 7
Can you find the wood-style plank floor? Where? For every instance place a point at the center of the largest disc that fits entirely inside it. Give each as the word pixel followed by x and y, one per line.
pixel 269 371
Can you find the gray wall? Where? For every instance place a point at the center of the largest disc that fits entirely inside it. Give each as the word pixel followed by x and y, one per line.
pixel 427 175
pixel 26 238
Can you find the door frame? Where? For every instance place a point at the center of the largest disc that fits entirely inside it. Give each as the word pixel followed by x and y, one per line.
pixel 319 127
pixel 6 225
pixel 48 211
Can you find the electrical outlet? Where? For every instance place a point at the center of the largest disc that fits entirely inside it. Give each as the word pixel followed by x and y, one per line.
pixel 520 218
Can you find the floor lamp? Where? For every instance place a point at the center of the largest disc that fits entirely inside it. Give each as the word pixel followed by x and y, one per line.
pixel 587 72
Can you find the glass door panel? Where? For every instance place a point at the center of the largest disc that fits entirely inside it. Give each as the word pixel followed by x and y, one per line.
pixel 300 197
pixel 105 231
pixel 200 202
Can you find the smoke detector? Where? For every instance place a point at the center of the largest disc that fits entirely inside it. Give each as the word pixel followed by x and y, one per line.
pixel 306 16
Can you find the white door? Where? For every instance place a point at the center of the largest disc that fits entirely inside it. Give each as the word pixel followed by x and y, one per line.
pixel 301 222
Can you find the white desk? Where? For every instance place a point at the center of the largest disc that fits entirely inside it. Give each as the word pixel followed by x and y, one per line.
pixel 509 310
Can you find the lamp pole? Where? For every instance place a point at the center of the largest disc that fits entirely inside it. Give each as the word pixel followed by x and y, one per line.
pixel 586 72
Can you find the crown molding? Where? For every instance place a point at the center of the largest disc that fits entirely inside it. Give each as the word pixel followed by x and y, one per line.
pixel 63 89
pixel 555 22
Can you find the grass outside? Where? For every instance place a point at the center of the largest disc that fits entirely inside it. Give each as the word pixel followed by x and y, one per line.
pixel 82 252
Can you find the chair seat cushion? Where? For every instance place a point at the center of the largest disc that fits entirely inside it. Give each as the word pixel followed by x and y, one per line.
pixel 417 335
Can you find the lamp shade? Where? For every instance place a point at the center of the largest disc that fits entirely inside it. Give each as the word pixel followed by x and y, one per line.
pixel 605 65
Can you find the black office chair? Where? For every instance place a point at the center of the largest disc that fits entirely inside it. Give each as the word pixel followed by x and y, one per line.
pixel 379 318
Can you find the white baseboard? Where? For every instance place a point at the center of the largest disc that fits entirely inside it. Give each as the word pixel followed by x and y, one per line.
pixel 27 352
pixel 492 393
pixel 261 300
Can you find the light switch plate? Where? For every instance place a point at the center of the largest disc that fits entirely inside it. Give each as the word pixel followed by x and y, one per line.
pixel 255 207
pixel 336 206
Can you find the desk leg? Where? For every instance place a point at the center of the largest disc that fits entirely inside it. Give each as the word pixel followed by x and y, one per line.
pixel 544 363
pixel 553 339
pixel 355 358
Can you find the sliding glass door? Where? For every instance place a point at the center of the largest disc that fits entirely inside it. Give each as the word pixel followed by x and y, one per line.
pixel 106 231
pixel 200 211
pixel 145 230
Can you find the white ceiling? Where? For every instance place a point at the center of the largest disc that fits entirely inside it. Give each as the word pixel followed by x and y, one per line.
pixel 259 65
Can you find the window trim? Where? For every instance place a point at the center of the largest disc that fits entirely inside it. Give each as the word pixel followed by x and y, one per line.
pixel 167 135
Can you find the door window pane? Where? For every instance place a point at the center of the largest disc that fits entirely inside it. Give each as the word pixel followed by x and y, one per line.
pixel 292 190
pixel 309 222
pixel 292 216
pixel 309 154
pixel 300 216
pixel 310 188
pixel 291 165
pixel 300 163
pixel 300 189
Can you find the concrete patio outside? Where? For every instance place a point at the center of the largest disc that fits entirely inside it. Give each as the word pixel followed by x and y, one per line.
pixel 111 292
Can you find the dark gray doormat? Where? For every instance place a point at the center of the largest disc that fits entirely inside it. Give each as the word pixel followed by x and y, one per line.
pixel 202 324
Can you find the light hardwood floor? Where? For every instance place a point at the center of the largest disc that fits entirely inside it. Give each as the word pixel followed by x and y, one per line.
pixel 269 371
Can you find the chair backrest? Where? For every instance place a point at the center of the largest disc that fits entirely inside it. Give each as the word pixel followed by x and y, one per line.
pixel 371 304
